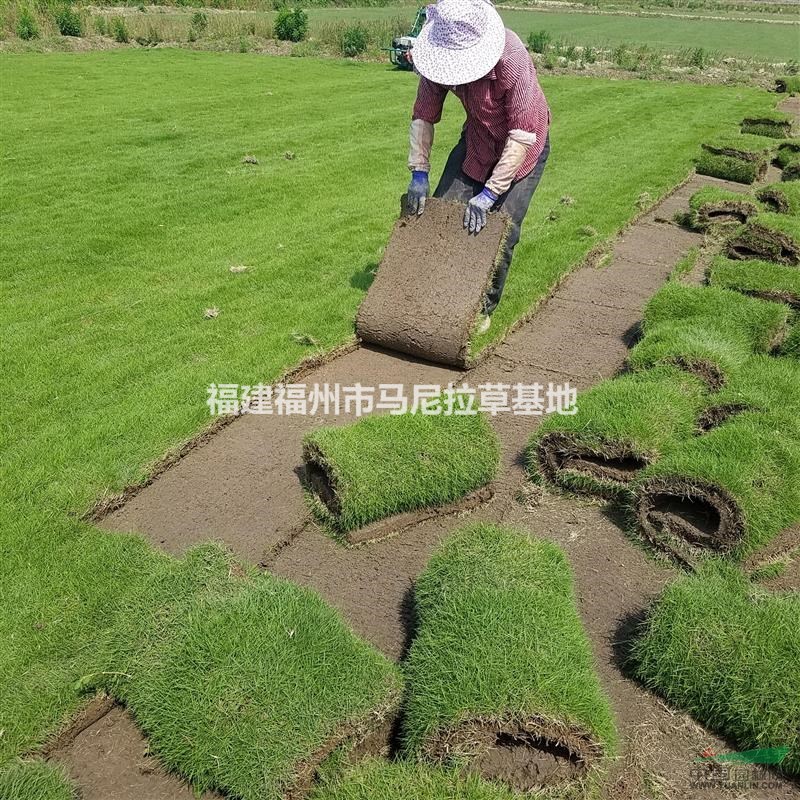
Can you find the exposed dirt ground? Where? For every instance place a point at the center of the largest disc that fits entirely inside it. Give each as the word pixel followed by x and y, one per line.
pixel 242 487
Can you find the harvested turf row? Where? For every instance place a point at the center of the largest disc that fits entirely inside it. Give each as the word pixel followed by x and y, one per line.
pixel 384 465
pixel 727 653
pixel 706 331
pixel 781 198
pixel 771 237
pixel 762 279
pixel 775 124
pixel 621 426
pixel 427 258
pixel 713 205
pixel 248 682
pixel 500 674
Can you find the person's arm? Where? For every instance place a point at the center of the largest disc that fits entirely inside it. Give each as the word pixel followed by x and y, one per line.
pixel 427 112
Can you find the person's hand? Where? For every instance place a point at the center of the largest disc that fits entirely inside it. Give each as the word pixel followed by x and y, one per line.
pixel 477 209
pixel 418 191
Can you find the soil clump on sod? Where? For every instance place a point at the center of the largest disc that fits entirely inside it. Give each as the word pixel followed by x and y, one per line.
pixel 429 287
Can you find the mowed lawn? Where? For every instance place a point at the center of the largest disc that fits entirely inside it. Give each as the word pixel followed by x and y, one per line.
pixel 773 42
pixel 124 204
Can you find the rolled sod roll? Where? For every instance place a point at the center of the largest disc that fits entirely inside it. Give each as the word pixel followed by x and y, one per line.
pixel 781 198
pixel 791 170
pixel 762 279
pixel 786 151
pixel 714 206
pixel 789 84
pixel 774 124
pixel 732 168
pixel 706 331
pixel 727 492
pixel 500 675
pixel 245 682
pixel 387 464
pixel 622 425
pixel 727 653
pixel 771 237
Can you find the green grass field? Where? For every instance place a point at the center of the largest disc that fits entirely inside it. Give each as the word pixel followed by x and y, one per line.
pixel 125 203
pixel 756 40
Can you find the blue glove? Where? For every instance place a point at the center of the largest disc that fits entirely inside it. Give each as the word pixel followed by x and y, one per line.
pixel 418 191
pixel 477 208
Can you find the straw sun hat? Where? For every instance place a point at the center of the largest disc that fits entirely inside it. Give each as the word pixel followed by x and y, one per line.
pixel 461 41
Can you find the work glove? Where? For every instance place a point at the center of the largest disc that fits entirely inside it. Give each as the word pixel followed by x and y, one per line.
pixel 477 209
pixel 418 191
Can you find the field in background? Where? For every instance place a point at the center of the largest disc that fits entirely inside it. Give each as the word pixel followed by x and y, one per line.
pixel 131 206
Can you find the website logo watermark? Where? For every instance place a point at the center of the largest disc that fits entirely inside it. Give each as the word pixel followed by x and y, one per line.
pixel 740 771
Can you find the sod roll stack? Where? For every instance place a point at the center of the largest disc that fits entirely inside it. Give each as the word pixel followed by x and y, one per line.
pixel 769 236
pixel 730 655
pixel 762 279
pixel 245 683
pixel 430 285
pixel 775 124
pixel 781 198
pixel 707 331
pixel 743 159
pixel 622 425
pixel 712 205
pixel 387 464
pixel 500 674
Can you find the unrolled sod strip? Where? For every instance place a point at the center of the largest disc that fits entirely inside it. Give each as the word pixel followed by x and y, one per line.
pixel 769 236
pixel 501 680
pixel 388 464
pixel 621 426
pixel 429 287
pixel 775 124
pixel 727 492
pixel 757 278
pixel 781 198
pixel 714 206
pixel 707 331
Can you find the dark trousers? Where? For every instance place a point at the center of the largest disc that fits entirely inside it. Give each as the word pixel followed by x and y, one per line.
pixel 455 185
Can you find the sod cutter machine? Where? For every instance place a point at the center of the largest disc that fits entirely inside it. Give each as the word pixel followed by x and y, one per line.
pixel 398 52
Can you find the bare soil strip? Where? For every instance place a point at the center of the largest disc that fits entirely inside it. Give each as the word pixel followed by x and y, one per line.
pixel 243 487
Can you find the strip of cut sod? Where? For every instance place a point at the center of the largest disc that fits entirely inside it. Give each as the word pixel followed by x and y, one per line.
pixel 775 124
pixel 706 330
pixel 713 205
pixel 408 780
pixel 769 236
pixel 787 151
pixel 727 492
pixel 756 278
pixel 386 464
pixel 726 652
pixel 742 158
pixel 791 171
pixel 622 425
pixel 500 672
pixel 781 198
pixel 245 682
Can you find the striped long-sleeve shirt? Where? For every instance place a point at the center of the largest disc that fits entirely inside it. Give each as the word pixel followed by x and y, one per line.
pixel 508 98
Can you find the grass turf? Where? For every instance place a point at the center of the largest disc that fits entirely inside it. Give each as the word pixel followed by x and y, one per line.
pixel 103 295
pixel 791 347
pixel 500 654
pixel 244 682
pixel 775 124
pixel 385 464
pixel 727 653
pixel 35 780
pixel 708 331
pixel 769 236
pixel 727 492
pixel 713 205
pixel 791 170
pixel 781 198
pixel 730 168
pixel 787 151
pixel 762 279
pixel 407 780
pixel 621 426
pixel 789 84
